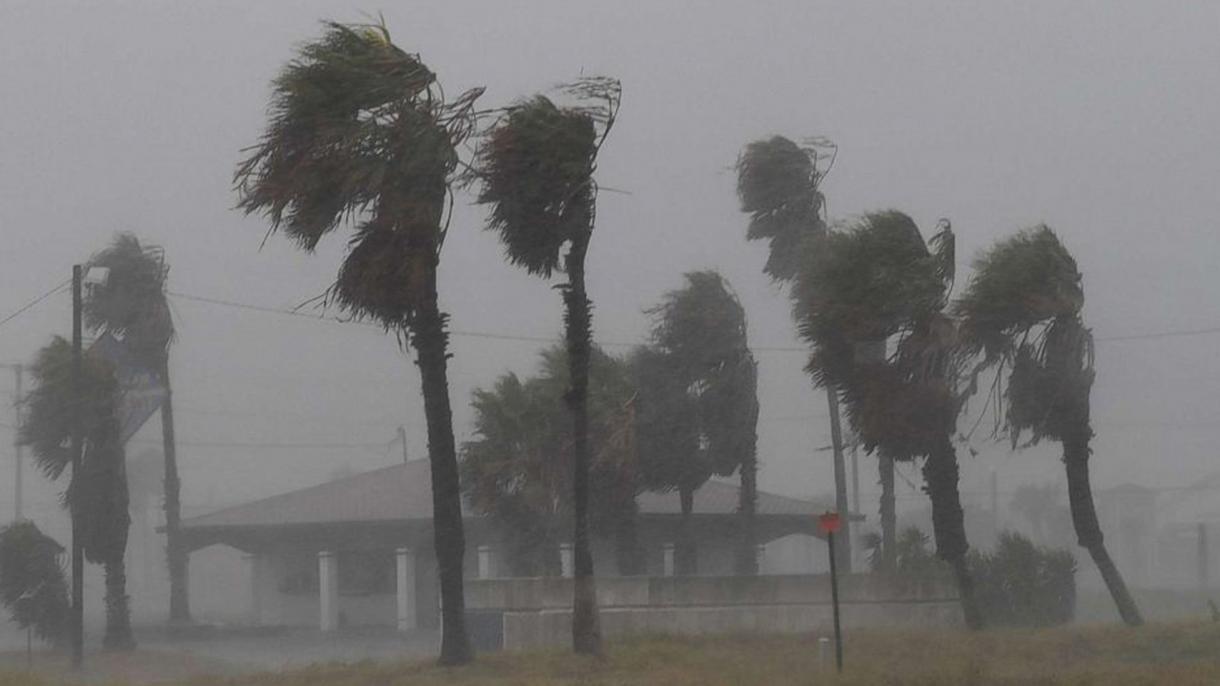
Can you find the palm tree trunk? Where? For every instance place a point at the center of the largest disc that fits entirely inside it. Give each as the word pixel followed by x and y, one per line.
pixel 118 634
pixel 1088 530
pixel 176 555
pixel 685 555
pixel 586 631
pixel 843 538
pixel 430 340
pixel 747 552
pixel 940 475
pixel 889 518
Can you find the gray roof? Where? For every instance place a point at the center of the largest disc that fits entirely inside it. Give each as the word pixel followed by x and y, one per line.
pixel 403 492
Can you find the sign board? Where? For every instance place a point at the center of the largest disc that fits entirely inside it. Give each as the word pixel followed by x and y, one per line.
pixel 828 523
pixel 141 393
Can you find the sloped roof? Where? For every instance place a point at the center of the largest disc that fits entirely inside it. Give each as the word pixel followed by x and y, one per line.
pixel 403 492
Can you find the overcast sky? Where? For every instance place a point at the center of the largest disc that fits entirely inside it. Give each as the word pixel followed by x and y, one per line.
pixel 1099 119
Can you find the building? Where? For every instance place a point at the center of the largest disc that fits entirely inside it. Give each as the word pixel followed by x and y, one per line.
pixel 358 550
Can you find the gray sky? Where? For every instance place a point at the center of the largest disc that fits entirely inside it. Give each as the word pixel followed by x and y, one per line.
pixel 1096 118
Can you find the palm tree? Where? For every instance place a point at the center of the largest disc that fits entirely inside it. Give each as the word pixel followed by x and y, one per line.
pixel 1022 312
pixel 97 494
pixel 131 305
pixel 32 582
pixel 701 329
pixel 878 281
pixel 778 184
pixel 537 166
pixel 360 133
pixel 671 453
pixel 518 467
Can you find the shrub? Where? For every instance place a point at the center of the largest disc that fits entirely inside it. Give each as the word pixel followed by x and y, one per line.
pixel 1022 584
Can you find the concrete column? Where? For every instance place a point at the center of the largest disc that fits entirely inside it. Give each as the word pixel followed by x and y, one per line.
pixel 406 589
pixel 565 559
pixel 258 570
pixel 667 559
pixel 485 562
pixel 328 590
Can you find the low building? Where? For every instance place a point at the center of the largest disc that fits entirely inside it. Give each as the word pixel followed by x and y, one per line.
pixel 358 550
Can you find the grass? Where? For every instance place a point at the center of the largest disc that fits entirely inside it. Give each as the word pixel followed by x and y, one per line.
pixel 1103 655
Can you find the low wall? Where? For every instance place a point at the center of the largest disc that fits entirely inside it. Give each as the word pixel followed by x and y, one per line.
pixel 534 612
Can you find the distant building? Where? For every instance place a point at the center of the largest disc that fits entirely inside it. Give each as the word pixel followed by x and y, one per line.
pixel 358 550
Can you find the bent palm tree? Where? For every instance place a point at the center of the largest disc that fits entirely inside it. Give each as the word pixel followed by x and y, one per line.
pixel 701 328
pixel 778 184
pixel 537 166
pixel 131 304
pixel 97 495
pixel 879 282
pixel 360 132
pixel 1022 311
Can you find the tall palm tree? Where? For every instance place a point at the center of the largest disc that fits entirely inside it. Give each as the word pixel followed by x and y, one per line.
pixel 97 494
pixel 1022 312
pixel 537 168
pixel 360 133
pixel 701 328
pixel 880 281
pixel 778 184
pixel 132 305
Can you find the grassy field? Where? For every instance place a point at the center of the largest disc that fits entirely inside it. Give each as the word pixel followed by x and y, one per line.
pixel 1103 655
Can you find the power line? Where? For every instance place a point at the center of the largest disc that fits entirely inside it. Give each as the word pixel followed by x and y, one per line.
pixel 21 310
pixel 1172 333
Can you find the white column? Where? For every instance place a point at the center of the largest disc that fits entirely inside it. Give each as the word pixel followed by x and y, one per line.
pixel 328 590
pixel 565 559
pixel 406 589
pixel 485 562
pixel 667 559
pixel 257 568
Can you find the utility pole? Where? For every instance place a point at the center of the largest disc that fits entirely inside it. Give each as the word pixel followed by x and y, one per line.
pixel 78 557
pixel 402 438
pixel 1203 559
pixel 18 494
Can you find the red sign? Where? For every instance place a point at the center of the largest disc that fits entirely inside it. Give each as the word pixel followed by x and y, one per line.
pixel 828 523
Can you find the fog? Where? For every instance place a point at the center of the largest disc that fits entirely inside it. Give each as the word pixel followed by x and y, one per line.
pixel 1097 119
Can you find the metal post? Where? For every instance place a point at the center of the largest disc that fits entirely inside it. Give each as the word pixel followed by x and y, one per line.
pixel 834 599
pixel 1203 555
pixel 78 556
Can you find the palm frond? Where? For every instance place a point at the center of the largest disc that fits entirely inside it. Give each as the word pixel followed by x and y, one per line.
pixel 1022 281
pixel 778 186
pixel 131 303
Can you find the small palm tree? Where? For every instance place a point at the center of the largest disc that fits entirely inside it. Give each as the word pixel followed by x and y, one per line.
pixel 779 186
pixel 537 168
pixel 878 281
pixel 1022 313
pixel 132 305
pixel 32 582
pixel 701 329
pixel 97 494
pixel 360 132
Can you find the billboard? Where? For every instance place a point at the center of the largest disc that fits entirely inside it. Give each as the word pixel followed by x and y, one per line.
pixel 141 393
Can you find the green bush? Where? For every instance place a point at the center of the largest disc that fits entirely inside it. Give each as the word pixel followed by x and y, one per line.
pixel 1022 584
pixel 1016 584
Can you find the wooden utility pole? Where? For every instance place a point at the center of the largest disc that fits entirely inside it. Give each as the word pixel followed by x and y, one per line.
pixel 78 443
